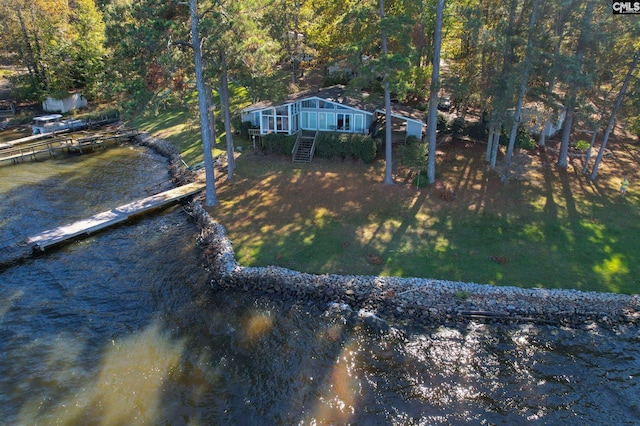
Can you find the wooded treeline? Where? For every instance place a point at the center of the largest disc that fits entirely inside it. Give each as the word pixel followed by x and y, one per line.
pixel 570 58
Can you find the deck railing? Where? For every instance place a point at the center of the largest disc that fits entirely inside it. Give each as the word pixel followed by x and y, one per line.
pixel 296 145
pixel 313 147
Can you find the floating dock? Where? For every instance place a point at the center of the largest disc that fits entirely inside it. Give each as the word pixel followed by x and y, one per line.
pixel 98 222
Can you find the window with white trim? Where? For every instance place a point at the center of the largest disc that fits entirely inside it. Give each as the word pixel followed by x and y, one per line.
pixel 344 122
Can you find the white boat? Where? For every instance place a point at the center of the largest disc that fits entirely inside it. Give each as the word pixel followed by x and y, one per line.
pixel 54 123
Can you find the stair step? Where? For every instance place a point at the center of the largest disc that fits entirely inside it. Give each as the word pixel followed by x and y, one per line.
pixel 306 141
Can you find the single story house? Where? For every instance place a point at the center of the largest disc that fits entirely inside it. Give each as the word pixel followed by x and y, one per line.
pixel 327 110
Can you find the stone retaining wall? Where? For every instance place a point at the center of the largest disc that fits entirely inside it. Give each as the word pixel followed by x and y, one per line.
pixel 411 300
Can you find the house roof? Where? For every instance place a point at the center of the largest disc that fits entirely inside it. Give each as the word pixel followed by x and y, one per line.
pixel 337 94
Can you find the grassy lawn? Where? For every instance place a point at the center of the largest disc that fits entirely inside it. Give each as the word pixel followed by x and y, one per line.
pixel 181 126
pixel 555 229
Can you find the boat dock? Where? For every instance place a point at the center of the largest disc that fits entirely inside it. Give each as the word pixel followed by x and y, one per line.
pixel 100 221
pixel 112 217
pixel 32 147
pixel 24 140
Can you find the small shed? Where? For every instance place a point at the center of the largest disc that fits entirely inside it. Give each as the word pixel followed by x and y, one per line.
pixel 71 102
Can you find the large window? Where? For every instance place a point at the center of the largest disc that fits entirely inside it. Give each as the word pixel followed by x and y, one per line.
pixel 326 105
pixel 282 124
pixel 309 103
pixel 344 122
pixel 268 123
pixel 326 121
pixel 308 120
pixel 358 123
pixel 276 120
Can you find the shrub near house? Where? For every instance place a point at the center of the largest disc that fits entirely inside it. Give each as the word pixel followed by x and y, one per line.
pixel 278 143
pixel 346 145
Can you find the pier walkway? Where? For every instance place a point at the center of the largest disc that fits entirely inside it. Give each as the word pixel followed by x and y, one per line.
pixel 52 237
pixel 31 147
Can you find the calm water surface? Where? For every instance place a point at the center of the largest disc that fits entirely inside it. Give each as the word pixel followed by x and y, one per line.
pixel 121 328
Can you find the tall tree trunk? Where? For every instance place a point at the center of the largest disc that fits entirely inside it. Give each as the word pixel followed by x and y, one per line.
pixel 563 154
pixel 224 97
pixel 296 42
pixel 38 54
pixel 211 113
pixel 497 131
pixel 33 64
pixel 559 32
pixel 612 119
pixel 570 99
pixel 211 197
pixel 432 121
pixel 523 91
pixel 388 179
pixel 587 159
pixel 487 155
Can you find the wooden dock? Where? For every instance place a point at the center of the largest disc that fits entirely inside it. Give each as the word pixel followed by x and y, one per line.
pixel 31 151
pixel 25 139
pixel 32 147
pixel 112 217
pixel 38 243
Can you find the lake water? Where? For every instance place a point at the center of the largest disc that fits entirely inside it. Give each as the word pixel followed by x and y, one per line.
pixel 122 328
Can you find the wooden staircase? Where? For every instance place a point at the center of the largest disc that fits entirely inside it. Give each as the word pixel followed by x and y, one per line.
pixel 305 146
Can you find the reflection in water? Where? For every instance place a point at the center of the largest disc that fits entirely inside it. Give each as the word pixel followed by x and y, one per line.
pixel 339 398
pixel 122 328
pixel 127 388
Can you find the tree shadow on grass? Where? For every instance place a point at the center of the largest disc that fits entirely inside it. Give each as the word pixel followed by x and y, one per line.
pixel 338 217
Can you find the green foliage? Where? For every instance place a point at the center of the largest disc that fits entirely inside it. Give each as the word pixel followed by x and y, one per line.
pixel 476 130
pixel 414 154
pixel 244 127
pixel 278 143
pixel 582 145
pixel 345 145
pixel 443 124
pixel 420 180
pixel 339 77
pixel 457 126
pixel 62 48
pixel 462 294
pixel 634 125
pixel 523 139
pixel 26 87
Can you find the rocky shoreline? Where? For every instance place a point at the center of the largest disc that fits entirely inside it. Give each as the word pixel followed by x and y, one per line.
pixel 417 301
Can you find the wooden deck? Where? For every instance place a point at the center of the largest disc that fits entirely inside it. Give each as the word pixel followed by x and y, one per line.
pixel 109 218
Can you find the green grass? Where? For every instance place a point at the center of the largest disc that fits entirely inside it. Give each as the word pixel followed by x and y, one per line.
pixel 337 217
pixel 554 230
pixel 181 125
